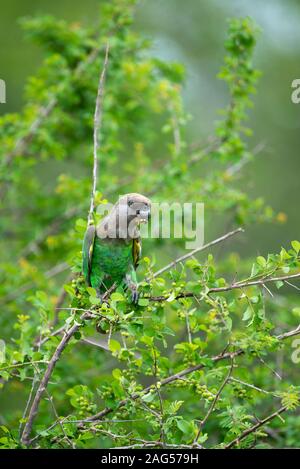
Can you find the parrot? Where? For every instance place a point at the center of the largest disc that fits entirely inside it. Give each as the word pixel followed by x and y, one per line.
pixel 111 250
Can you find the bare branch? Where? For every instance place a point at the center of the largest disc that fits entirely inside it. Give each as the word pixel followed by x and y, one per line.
pixel 286 335
pixel 46 377
pixel 195 251
pixel 252 386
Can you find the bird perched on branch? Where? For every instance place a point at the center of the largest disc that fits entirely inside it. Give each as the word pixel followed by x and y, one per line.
pixel 112 249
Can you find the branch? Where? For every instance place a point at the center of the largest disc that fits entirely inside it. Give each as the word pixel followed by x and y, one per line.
pixel 195 251
pixel 286 335
pixel 233 286
pixel 255 427
pixel 179 375
pixel 236 167
pixel 97 127
pixel 25 439
pixel 214 402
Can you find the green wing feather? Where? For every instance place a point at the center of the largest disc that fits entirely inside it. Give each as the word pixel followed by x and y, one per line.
pixel 136 251
pixel 87 252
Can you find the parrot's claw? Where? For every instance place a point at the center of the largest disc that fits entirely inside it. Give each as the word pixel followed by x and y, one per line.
pixel 134 296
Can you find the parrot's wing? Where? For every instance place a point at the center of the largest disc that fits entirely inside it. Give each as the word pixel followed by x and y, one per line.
pixel 87 252
pixel 136 251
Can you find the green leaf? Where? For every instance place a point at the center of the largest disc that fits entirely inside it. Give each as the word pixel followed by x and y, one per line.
pixel 143 302
pixel 296 311
pixel 148 397
pixel 94 300
pixel 284 255
pixel 247 314
pixel 296 246
pixel 186 427
pixel 91 291
pixel 261 261
pixel 116 296
pixel 114 345
pixel 117 373
pixel 70 290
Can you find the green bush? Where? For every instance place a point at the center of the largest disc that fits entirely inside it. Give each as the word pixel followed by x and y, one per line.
pixel 205 357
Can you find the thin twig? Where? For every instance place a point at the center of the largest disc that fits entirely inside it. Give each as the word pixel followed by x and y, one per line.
pixel 236 167
pixel 46 377
pixel 19 365
pixel 286 335
pixel 34 381
pixel 214 402
pixel 252 386
pixel 195 251
pixel 97 127
pixel 50 398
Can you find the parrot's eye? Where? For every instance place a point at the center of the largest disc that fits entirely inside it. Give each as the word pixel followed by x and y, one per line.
pixel 130 202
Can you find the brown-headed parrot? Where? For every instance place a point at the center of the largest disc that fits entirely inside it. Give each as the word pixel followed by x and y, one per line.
pixel 112 250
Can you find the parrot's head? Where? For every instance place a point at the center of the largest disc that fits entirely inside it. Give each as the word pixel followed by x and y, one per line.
pixel 139 208
pixel 132 210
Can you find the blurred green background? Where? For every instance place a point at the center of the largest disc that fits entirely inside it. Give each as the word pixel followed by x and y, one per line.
pixel 193 32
